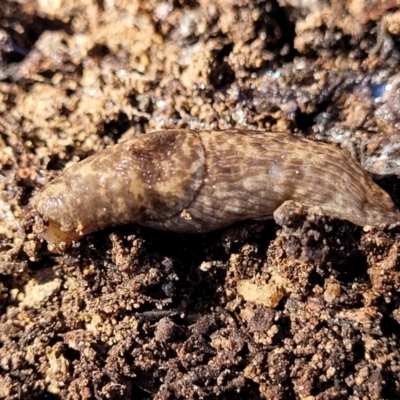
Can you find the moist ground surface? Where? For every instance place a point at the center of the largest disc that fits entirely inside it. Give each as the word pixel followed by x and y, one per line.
pixel 308 310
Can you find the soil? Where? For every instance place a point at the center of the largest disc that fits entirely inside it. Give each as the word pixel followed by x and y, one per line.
pixel 307 310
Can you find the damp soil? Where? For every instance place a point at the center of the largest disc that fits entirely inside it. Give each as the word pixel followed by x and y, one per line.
pixel 307 310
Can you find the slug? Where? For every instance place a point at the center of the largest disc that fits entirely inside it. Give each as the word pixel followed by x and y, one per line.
pixel 200 181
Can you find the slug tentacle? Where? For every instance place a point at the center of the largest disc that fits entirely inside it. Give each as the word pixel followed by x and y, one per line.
pixel 199 181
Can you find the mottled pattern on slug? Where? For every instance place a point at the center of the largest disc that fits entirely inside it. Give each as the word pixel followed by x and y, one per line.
pixel 189 181
pixel 133 181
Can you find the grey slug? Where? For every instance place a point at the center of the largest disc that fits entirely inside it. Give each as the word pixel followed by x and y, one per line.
pixel 199 181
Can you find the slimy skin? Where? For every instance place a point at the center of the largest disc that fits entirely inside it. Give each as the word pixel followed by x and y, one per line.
pixel 199 181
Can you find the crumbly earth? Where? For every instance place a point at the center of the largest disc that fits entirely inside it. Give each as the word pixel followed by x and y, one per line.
pixel 306 310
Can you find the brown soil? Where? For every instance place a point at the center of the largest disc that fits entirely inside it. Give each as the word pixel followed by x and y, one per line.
pixel 310 310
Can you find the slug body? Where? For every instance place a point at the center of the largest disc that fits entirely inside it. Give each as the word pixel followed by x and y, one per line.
pixel 199 181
